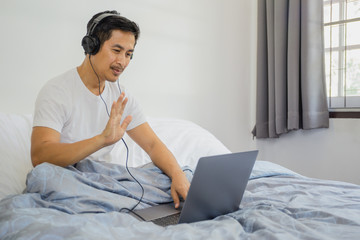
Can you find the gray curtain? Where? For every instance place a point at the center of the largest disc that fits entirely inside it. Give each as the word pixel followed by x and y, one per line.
pixel 291 91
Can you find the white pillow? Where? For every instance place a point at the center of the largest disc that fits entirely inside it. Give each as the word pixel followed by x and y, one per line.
pixel 186 140
pixel 15 161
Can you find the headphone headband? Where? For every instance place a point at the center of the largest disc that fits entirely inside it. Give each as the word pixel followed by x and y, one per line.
pixel 97 21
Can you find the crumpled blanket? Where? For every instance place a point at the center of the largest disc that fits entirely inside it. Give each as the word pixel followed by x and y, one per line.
pixel 84 203
pixel 97 187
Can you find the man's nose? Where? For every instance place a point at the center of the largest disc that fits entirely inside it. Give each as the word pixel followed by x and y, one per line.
pixel 122 60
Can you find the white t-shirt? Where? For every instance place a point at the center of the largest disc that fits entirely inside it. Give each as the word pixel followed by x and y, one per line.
pixel 66 105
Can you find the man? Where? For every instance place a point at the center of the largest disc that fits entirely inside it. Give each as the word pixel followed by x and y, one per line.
pixel 72 121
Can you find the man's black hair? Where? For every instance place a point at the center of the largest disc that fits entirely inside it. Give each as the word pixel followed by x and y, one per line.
pixel 117 22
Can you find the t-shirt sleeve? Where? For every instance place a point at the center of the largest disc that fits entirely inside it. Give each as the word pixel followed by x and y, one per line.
pixel 50 107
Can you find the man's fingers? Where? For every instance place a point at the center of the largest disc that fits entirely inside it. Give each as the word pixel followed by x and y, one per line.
pixel 121 98
pixel 113 110
pixel 117 108
pixel 175 197
pixel 184 195
pixel 122 95
pixel 121 103
pixel 126 122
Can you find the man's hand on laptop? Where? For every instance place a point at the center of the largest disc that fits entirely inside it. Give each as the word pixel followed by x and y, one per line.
pixel 179 188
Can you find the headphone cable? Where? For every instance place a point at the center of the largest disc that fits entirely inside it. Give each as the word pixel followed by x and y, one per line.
pixel 127 149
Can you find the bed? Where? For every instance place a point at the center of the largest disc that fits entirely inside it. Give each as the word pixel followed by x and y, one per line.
pixel 49 202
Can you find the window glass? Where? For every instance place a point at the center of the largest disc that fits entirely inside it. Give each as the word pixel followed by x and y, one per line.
pixel 342 53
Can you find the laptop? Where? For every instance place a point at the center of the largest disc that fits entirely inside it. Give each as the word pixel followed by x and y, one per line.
pixel 216 189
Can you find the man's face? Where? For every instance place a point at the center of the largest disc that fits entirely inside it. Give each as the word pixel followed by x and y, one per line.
pixel 114 55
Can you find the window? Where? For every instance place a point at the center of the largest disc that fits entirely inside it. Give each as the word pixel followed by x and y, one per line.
pixel 342 54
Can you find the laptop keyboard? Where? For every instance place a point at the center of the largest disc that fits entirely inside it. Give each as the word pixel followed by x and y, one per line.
pixel 168 220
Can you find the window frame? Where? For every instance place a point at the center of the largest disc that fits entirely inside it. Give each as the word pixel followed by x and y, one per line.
pixel 343 111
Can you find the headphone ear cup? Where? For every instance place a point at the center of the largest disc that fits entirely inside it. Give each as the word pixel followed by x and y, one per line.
pixel 90 44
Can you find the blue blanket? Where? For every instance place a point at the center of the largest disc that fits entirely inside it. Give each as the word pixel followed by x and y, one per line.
pixel 84 203
pixel 94 187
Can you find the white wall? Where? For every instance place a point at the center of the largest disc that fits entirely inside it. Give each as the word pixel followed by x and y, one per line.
pixel 323 153
pixel 194 60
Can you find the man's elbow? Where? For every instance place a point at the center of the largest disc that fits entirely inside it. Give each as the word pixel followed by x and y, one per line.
pixel 36 157
pixel 35 160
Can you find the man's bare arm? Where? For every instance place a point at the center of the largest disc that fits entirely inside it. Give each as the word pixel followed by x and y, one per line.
pixel 161 156
pixel 46 147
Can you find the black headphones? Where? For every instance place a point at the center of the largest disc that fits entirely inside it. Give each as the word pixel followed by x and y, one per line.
pixel 90 43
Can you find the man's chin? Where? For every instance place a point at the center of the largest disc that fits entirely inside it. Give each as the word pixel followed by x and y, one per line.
pixel 113 78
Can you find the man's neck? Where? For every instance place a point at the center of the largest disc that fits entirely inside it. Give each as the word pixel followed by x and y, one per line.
pixel 89 78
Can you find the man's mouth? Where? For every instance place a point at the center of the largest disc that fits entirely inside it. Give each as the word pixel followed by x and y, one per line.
pixel 117 70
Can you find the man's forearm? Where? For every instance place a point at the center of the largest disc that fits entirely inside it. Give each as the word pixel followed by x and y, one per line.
pixel 164 159
pixel 65 154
